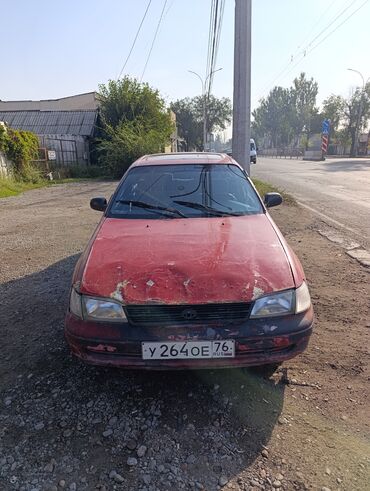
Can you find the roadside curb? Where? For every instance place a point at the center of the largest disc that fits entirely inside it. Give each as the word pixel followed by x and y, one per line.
pixel 352 248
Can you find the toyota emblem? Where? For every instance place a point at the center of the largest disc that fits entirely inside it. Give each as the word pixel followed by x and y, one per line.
pixel 189 314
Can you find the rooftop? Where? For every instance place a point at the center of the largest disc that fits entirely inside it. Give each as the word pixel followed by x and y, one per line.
pixel 52 122
pixel 184 158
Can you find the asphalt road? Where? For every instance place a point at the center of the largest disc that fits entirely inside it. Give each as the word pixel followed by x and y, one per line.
pixel 336 190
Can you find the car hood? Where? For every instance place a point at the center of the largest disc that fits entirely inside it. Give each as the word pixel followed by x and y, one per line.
pixel 186 261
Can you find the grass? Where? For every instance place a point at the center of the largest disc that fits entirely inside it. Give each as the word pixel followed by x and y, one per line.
pixel 265 187
pixel 9 187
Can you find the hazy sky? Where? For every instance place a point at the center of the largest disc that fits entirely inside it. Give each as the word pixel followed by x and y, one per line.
pixel 53 49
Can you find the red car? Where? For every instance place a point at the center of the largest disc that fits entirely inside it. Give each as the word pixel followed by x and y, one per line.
pixel 187 269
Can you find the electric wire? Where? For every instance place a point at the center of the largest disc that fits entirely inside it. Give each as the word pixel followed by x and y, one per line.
pixel 328 35
pixel 135 39
pixel 218 36
pixel 304 52
pixel 210 36
pixel 154 38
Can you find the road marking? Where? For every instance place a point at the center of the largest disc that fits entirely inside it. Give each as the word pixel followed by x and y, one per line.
pixel 339 224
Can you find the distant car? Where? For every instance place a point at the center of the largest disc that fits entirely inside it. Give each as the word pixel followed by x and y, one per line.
pixel 187 269
pixel 253 151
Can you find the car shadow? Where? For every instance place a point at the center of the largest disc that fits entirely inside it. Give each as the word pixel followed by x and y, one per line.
pixel 198 426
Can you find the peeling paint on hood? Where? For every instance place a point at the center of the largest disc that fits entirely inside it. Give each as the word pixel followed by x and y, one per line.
pixel 180 261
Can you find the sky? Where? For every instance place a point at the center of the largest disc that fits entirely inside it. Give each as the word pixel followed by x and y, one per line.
pixel 55 49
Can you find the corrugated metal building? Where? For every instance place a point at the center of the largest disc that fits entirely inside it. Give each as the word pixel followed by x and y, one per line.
pixel 65 126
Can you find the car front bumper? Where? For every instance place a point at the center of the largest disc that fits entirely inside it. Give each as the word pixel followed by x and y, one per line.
pixel 257 342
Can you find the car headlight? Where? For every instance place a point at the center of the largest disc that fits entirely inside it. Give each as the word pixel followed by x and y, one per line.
pixel 75 305
pixel 286 302
pixel 98 309
pixel 281 303
pixel 302 298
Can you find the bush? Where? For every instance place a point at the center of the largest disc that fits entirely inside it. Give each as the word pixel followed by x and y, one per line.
pixel 135 122
pixel 21 147
pixel 129 141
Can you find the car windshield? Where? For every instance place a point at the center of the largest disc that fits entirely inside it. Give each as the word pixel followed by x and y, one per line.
pixel 184 191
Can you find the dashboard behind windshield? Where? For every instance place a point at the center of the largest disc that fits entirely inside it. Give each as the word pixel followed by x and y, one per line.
pixel 184 191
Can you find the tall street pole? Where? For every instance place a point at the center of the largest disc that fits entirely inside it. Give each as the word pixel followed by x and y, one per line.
pixel 360 110
pixel 242 83
pixel 204 100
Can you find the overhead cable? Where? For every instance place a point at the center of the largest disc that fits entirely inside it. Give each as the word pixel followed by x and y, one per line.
pixel 135 39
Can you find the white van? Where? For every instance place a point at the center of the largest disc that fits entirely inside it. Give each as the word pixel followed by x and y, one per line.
pixel 253 152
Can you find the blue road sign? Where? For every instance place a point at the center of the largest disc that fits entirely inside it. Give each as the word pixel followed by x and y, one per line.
pixel 325 127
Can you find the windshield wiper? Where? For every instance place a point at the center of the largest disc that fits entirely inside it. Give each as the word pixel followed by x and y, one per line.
pixel 209 209
pixel 142 204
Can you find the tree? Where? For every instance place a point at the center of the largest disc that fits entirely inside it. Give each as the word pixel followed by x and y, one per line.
pixel 135 121
pixel 287 114
pixel 304 93
pixel 332 108
pixel 356 113
pixel 190 128
pixel 189 115
pixel 274 117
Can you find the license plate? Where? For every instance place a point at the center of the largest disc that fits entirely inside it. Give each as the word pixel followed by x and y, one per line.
pixel 188 349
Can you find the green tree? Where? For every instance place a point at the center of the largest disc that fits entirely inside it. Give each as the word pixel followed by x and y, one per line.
pixel 274 117
pixel 189 115
pixel 190 127
pixel 135 121
pixel 332 108
pixel 288 114
pixel 356 114
pixel 304 93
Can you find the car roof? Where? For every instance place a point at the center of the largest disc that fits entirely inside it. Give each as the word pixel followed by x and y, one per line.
pixel 181 158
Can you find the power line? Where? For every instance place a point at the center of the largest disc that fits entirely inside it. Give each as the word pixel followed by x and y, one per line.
pixel 134 42
pixel 218 35
pixel 328 35
pixel 210 36
pixel 304 51
pixel 154 38
pixel 213 42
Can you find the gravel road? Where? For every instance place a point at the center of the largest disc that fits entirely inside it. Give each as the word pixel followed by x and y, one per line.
pixel 67 426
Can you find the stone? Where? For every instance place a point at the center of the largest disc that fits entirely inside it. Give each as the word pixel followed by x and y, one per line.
pixel 131 444
pixel 191 459
pixel 62 483
pixel 276 484
pixel 141 451
pixel 118 478
pixel 146 479
pixel 265 453
pixel 223 481
pixel 107 433
pixel 39 426
pixel 131 461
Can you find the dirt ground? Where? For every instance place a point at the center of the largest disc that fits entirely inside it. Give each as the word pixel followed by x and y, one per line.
pixel 68 426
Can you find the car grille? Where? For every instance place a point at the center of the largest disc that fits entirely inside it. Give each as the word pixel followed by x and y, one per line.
pixel 187 314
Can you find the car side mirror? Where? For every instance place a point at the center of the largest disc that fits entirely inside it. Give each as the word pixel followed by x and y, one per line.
pixel 272 199
pixel 99 204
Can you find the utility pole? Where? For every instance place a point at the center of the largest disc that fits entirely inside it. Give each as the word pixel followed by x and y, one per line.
pixel 242 83
pixel 360 110
pixel 204 99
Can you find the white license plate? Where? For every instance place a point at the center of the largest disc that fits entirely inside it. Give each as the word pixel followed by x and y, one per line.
pixel 182 350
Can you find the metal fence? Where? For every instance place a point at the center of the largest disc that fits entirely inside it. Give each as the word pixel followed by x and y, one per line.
pixel 282 152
